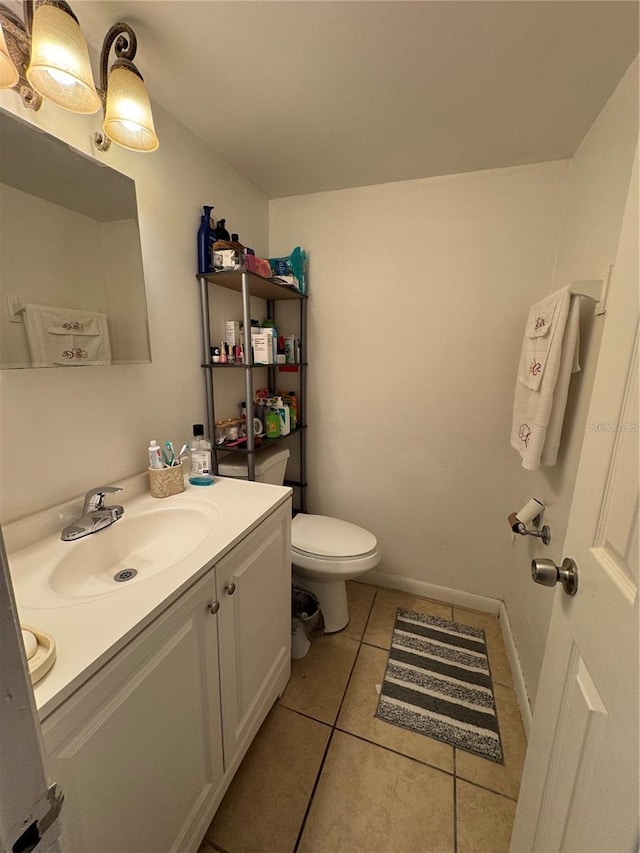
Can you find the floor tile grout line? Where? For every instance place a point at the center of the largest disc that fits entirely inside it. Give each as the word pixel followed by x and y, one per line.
pixel 333 730
pixel 313 791
pixel 455 808
pixel 488 790
pixel 395 751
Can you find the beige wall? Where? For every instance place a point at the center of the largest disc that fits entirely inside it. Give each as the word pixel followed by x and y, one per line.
pixel 62 433
pixel 419 293
pixel 598 187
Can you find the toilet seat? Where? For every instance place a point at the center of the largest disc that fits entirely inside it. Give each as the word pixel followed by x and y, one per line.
pixel 330 537
pixel 328 545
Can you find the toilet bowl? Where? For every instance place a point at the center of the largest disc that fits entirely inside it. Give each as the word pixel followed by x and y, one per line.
pixel 325 553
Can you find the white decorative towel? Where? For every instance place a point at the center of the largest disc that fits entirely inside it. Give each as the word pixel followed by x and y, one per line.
pixel 548 358
pixel 65 337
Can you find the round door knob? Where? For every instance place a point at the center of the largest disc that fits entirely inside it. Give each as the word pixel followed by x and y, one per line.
pixel 213 607
pixel 230 588
pixel 545 572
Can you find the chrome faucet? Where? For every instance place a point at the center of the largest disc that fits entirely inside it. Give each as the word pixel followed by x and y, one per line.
pixel 95 515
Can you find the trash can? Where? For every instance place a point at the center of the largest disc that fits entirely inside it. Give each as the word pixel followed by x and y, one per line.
pixel 306 621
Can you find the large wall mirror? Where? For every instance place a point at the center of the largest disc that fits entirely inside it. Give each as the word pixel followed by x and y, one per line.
pixel 72 288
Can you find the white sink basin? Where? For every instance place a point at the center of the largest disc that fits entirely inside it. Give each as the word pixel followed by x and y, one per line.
pixel 131 550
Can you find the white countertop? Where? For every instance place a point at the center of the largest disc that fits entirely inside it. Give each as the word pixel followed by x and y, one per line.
pixel 89 631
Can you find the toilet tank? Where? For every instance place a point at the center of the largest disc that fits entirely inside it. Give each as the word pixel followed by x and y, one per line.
pixel 270 465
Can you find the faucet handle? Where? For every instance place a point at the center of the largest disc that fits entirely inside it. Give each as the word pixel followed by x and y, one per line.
pixel 94 499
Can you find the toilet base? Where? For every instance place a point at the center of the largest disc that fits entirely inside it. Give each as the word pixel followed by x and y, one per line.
pixel 333 601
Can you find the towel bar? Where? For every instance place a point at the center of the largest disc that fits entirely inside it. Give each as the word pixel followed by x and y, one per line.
pixel 16 309
pixel 594 288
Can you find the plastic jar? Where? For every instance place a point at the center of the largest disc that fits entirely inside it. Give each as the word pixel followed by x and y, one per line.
pixel 220 432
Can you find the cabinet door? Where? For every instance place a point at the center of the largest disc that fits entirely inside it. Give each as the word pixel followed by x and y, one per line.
pixel 137 751
pixel 254 629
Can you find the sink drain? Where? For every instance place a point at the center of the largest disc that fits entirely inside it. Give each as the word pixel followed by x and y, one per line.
pixel 125 575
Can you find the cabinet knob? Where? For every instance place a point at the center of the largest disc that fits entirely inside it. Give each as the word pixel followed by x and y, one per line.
pixel 213 607
pixel 230 588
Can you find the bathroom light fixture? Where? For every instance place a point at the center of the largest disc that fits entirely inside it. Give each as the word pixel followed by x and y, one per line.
pixel 127 111
pixel 59 67
pixel 46 56
pixel 9 76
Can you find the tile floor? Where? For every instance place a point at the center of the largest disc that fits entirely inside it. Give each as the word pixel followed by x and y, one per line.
pixel 324 775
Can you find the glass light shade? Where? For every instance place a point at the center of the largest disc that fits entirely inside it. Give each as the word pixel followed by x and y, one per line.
pixel 60 70
pixel 8 72
pixel 128 120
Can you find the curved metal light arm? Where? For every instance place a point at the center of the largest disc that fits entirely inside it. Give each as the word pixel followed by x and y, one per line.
pixel 122 37
pixel 18 38
pixel 125 43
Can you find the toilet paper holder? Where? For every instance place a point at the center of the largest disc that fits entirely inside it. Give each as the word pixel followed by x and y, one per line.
pixel 530 513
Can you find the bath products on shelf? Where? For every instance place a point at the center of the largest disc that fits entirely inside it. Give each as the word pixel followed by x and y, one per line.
pixel 206 238
pixel 293 406
pixel 272 423
pixel 200 453
pixel 221 231
pixel 283 413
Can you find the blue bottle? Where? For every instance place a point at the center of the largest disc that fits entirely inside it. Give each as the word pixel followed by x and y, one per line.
pixel 206 239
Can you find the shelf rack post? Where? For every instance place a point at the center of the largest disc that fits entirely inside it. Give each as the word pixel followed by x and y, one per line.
pixel 248 376
pixel 206 358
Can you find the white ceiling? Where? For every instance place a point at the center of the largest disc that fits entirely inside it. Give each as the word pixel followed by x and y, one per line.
pixel 316 95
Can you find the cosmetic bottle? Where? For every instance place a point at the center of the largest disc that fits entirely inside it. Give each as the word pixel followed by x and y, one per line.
pixel 221 231
pixel 200 453
pixel 272 423
pixel 155 455
pixel 293 406
pixel 283 413
pixel 206 239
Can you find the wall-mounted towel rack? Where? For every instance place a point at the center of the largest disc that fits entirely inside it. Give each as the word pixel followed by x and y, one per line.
pixel 16 309
pixel 594 288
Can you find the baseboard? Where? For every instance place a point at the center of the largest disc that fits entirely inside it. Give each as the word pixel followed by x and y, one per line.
pixel 430 590
pixel 516 670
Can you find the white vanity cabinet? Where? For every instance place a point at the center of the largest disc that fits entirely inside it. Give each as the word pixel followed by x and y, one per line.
pixel 138 749
pixel 254 630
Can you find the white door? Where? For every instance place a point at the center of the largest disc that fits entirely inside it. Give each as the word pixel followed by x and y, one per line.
pixel 28 805
pixel 579 787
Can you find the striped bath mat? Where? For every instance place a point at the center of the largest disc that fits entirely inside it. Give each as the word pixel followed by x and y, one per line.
pixel 438 683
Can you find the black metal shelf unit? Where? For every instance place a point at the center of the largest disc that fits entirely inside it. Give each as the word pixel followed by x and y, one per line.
pixel 250 284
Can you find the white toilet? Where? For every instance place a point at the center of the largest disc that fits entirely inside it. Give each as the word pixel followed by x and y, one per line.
pixel 325 552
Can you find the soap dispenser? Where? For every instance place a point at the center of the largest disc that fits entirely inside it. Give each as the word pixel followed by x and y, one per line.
pixel 206 239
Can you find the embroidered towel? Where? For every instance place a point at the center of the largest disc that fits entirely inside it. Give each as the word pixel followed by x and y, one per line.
pixel 66 337
pixel 547 360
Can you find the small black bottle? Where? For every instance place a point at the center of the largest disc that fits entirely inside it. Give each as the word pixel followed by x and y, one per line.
pixel 221 231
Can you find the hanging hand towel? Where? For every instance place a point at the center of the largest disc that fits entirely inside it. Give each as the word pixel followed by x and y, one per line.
pixel 65 337
pixel 547 360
